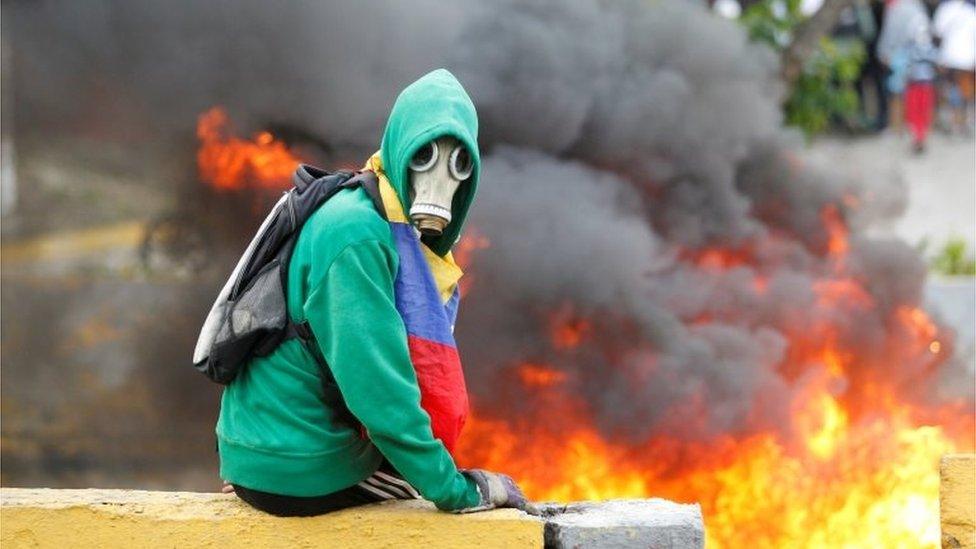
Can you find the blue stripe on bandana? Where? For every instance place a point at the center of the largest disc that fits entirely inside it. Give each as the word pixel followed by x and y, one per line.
pixel 417 298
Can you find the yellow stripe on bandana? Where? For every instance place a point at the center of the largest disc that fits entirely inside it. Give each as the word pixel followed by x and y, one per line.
pixel 445 271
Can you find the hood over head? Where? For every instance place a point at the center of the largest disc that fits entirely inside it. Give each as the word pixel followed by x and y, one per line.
pixel 434 106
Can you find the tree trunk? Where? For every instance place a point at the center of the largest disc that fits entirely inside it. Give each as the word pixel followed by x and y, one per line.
pixel 806 38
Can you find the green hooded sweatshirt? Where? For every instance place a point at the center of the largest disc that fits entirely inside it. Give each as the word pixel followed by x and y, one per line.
pixel 275 432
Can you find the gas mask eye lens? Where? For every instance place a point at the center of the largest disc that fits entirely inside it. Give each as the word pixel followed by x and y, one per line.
pixel 425 158
pixel 460 163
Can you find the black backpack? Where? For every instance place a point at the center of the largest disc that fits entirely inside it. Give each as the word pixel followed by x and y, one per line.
pixel 250 316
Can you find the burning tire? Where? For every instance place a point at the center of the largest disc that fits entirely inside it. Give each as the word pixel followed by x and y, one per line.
pixel 175 245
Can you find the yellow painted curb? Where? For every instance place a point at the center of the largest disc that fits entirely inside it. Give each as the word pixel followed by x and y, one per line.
pixel 957 501
pixel 133 519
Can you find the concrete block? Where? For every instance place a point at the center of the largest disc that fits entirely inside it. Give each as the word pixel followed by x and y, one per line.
pixel 647 523
pixel 957 501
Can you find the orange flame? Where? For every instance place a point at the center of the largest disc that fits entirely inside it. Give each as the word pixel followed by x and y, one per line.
pixel 537 375
pixel 837 244
pixel 230 163
pixel 856 468
pixel 718 258
pixel 854 484
pixel 566 329
pixel 472 241
pixel 842 291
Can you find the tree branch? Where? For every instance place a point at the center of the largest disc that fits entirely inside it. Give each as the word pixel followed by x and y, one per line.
pixel 806 38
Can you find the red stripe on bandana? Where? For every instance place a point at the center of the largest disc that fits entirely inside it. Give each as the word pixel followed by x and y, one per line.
pixel 442 390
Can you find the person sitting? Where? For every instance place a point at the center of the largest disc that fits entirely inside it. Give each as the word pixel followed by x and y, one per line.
pixel 379 292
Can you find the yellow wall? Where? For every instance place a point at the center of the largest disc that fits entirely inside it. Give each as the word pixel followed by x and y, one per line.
pixel 958 501
pixel 132 519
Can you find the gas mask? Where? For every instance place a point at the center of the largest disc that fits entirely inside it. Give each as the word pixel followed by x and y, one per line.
pixel 436 171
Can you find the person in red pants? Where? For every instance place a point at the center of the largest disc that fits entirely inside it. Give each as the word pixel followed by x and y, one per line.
pixel 920 91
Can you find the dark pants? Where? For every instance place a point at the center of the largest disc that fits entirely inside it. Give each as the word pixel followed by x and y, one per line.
pixel 293 506
pixel 382 485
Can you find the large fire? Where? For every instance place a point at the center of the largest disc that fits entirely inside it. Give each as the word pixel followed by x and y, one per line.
pixel 228 162
pixel 857 466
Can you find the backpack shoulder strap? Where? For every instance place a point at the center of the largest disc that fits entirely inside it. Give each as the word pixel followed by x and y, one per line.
pixel 330 389
pixel 302 331
pixel 305 176
pixel 371 184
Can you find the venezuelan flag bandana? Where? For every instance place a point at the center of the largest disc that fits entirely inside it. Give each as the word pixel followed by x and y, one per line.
pixel 427 297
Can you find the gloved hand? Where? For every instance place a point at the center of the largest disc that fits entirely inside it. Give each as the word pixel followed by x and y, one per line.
pixel 497 490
